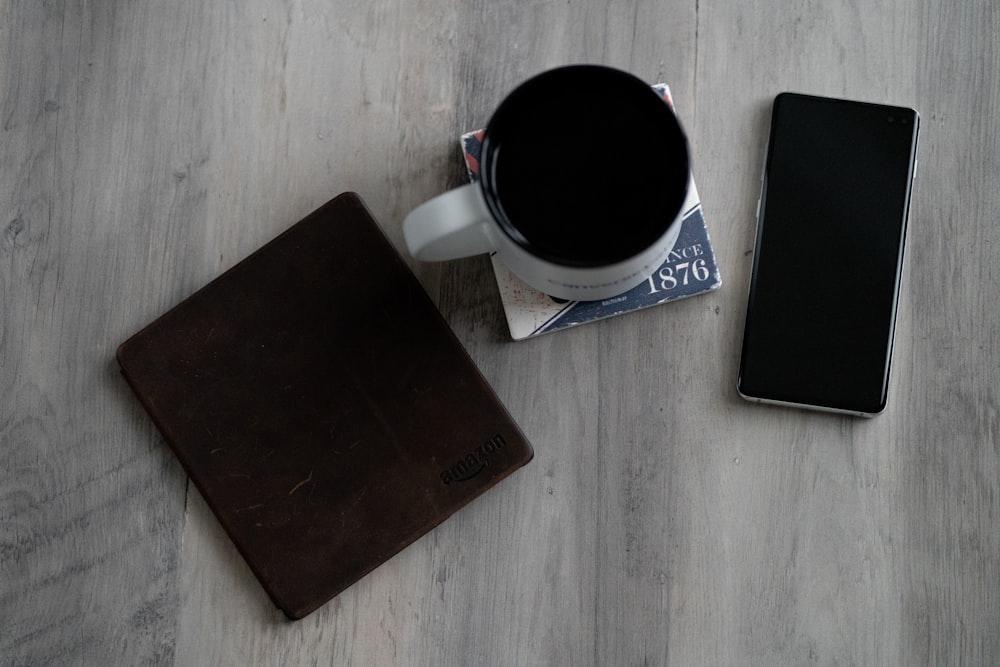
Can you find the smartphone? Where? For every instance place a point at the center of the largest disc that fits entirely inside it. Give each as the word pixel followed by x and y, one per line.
pixel 831 225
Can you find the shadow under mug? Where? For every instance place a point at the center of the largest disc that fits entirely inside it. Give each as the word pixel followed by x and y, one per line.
pixel 583 173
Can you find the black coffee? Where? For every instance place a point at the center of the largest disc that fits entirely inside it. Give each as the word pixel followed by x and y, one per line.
pixel 584 165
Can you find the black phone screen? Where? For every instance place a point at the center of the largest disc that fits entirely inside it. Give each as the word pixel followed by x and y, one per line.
pixel 829 249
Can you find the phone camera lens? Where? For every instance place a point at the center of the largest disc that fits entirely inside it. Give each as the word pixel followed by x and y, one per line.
pixel 892 119
pixel 903 121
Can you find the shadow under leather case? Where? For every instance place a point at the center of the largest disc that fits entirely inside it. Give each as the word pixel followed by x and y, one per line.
pixel 322 406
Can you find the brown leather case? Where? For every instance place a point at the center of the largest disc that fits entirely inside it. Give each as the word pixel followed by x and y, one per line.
pixel 322 406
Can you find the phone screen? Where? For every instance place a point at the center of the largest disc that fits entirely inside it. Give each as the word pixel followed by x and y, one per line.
pixel 829 249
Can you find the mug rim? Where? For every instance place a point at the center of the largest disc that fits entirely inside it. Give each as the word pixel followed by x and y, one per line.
pixel 511 231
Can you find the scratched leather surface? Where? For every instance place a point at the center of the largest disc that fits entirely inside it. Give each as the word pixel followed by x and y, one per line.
pixel 322 405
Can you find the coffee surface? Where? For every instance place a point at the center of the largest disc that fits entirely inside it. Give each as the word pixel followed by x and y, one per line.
pixel 584 166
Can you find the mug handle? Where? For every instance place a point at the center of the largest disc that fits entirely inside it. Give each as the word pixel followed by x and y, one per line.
pixel 449 226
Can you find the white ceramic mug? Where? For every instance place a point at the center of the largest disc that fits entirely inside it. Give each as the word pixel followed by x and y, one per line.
pixel 582 176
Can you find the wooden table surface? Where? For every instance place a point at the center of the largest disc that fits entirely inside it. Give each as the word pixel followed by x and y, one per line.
pixel 147 146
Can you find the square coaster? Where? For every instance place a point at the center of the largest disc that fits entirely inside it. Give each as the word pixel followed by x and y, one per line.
pixel 689 269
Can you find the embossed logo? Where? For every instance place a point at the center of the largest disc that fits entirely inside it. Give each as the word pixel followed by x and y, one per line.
pixel 474 462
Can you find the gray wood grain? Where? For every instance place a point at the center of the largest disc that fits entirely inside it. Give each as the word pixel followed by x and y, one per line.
pixel 145 147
